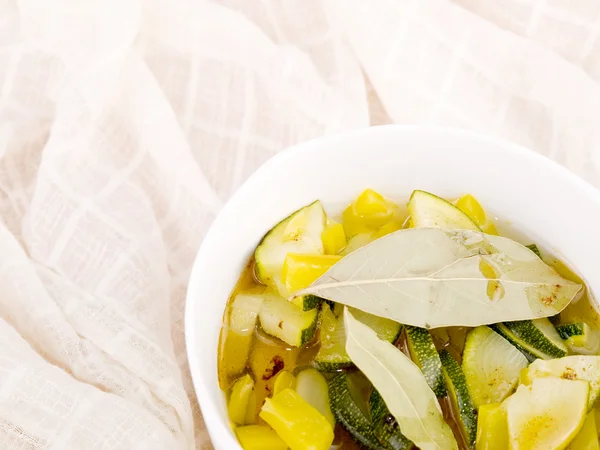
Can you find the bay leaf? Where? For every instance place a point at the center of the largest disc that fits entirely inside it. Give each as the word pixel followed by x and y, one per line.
pixel 431 277
pixel 401 384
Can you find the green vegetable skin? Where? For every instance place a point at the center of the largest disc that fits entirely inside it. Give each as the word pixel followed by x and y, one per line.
pixel 307 302
pixel 456 384
pixel 385 426
pixel 569 330
pixel 424 354
pixel 534 338
pixel 580 337
pixel 332 356
pixel 348 414
pixel 534 248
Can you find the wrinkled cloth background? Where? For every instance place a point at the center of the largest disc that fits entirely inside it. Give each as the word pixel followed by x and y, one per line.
pixel 125 125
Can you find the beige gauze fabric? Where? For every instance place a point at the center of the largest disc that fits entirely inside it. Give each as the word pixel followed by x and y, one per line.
pixel 125 125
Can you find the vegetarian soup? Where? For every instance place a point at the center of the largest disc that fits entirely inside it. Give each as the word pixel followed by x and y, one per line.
pixel 399 328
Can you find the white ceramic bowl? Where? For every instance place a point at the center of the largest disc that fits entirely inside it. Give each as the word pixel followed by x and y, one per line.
pixel 536 195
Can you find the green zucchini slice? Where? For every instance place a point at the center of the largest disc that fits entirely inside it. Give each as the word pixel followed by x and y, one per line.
pixel 332 356
pixel 350 410
pixel 298 233
pixel 424 354
pixel 244 313
pixel 491 366
pixel 307 302
pixel 385 425
pixel 458 393
pixel 534 338
pixel 429 210
pixel 284 320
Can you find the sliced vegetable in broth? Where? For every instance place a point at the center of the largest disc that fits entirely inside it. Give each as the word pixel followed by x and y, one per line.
pixel 508 323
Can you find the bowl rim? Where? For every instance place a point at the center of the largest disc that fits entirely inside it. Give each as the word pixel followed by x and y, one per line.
pixel 216 426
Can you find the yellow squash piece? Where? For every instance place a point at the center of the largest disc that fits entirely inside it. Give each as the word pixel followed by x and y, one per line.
pixel 284 380
pixel 472 208
pixel 367 213
pixel 587 438
pixel 547 414
pixel 300 425
pixel 388 228
pixel 259 437
pixel 372 205
pixel 299 271
pixel 242 401
pixel 492 428
pixel 334 238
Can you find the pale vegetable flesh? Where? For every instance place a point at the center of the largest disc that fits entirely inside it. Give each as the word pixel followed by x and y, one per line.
pixel 547 414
